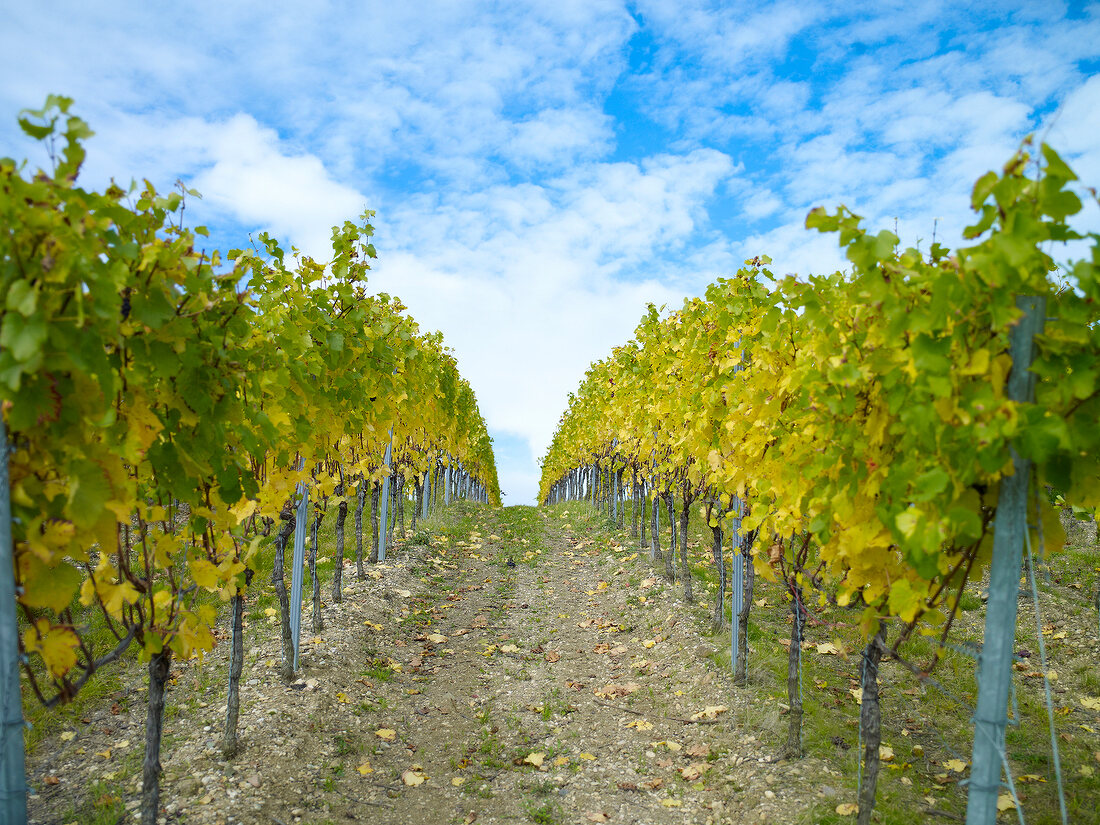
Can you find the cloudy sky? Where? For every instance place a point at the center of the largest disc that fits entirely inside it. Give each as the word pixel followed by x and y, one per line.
pixel 543 170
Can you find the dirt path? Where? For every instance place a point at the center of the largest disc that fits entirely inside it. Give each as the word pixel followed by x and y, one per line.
pixel 515 673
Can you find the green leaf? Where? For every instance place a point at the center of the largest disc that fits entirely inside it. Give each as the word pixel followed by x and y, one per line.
pixel 22 298
pixel 22 336
pixel 982 189
pixel 1055 166
pixel 89 490
pixel 43 586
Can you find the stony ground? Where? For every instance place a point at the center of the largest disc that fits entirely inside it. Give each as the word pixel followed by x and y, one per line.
pixel 516 667
pixel 451 686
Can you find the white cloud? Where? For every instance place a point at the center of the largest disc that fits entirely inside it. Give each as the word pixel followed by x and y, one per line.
pixel 515 212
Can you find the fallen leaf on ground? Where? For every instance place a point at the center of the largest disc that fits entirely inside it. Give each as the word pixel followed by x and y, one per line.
pixel 365 768
pixel 847 809
pixel 561 760
pixel 652 784
pixel 709 712
pixel 828 647
pixel 956 765
pixel 552 656
pixel 587 756
pixel 611 691
pixel 693 771
pixel 535 759
pixel 458 780
pixel 701 750
pixel 436 638
pixel 413 778
pixel 387 734
pixel 671 803
pixel 1005 802
pixel 640 724
pixel 596 816
pixel 68 735
pixel 885 753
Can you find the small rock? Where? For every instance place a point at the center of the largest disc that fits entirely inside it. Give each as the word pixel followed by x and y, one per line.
pixel 828 790
pixel 769 794
pixel 253 780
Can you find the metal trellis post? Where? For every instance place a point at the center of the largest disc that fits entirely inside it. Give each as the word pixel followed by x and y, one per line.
pixel 296 574
pixel 995 662
pixel 13 783
pixel 383 522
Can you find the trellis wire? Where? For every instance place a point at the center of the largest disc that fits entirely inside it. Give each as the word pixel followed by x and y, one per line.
pixel 1043 667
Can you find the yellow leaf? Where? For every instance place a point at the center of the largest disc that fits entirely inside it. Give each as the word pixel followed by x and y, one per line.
pixel 365 768
pixel 436 638
pixel 68 735
pixel 105 754
pixel 885 753
pixel 534 759
pixel 244 509
pixel 648 643
pixel 847 809
pixel 1090 702
pixel 956 765
pixel 587 756
pixel 827 647
pixel 671 803
pixel 204 574
pixel 857 694
pixel 342 698
pixel 640 724
pixel 1005 802
pixel 561 760
pixel 413 778
pixel 709 712
pixel 56 645
pixel 458 780
pixel 387 734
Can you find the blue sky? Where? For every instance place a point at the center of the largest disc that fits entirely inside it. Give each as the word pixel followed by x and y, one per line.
pixel 541 171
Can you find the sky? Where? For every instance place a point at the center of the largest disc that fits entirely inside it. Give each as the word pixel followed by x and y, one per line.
pixel 543 171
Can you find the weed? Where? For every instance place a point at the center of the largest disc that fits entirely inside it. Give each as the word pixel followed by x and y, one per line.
pixel 544 813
